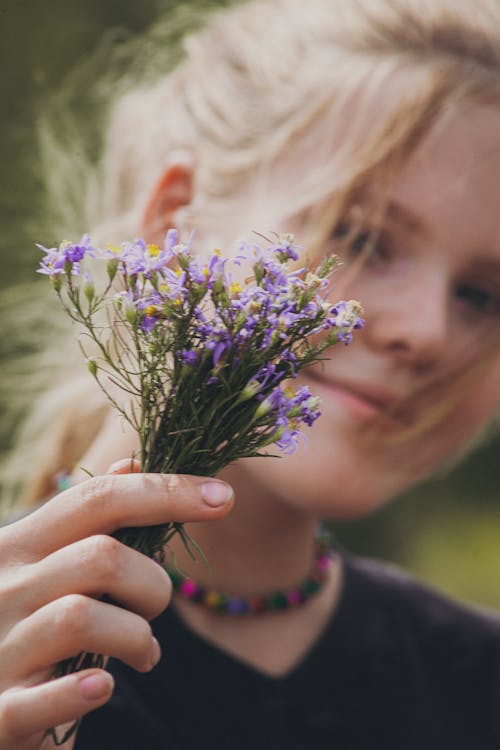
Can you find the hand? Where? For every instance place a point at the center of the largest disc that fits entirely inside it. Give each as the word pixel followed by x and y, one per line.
pixel 54 566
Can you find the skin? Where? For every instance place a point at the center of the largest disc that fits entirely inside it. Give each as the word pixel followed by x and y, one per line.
pixel 53 611
pixel 431 292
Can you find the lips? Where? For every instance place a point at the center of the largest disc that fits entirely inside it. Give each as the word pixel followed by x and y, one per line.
pixel 365 401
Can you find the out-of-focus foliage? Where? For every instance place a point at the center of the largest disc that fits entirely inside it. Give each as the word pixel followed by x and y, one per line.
pixel 39 43
pixel 446 532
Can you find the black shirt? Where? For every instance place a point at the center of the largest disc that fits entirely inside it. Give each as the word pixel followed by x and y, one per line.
pixel 399 667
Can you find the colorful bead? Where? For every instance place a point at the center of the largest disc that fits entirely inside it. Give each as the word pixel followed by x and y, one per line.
pixel 257 604
pixel 212 599
pixel 310 587
pixel 294 597
pixel 188 588
pixel 323 562
pixel 275 601
pixel 63 481
pixel 237 606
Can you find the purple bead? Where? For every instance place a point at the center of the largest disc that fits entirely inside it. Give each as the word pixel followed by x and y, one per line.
pixel 237 606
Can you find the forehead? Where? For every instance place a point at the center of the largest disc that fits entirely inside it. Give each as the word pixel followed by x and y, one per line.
pixel 453 181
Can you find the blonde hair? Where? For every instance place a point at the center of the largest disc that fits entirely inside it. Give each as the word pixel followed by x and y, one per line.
pixel 343 89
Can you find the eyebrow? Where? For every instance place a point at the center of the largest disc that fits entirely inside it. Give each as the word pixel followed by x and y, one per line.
pixel 398 213
pixel 405 217
pixel 401 214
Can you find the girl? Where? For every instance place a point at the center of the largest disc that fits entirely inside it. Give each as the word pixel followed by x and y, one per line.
pixel 370 127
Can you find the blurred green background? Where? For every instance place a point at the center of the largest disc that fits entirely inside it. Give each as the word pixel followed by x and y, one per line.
pixel 446 532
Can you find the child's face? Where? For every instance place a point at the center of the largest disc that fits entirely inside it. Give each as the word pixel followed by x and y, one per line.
pixel 431 293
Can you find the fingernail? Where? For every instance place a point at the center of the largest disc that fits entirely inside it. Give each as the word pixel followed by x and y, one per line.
pixel 156 653
pixel 216 493
pixel 96 686
pixel 123 465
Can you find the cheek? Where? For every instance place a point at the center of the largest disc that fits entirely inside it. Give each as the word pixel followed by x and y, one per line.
pixel 472 416
pixel 344 471
pixel 458 429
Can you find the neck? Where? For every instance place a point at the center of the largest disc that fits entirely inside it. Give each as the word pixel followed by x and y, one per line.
pixel 262 546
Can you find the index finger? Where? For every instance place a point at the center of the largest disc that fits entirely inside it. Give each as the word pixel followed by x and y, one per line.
pixel 104 504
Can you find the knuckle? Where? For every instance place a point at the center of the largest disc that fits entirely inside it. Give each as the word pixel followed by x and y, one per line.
pixel 173 483
pixel 98 492
pixel 10 725
pixel 5 548
pixel 101 557
pixel 143 646
pixel 163 594
pixel 73 618
pixel 13 584
pixel 181 488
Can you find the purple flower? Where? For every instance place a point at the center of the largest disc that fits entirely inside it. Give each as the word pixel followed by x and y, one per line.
pixel 66 257
pixel 218 347
pixel 206 273
pixel 170 242
pixel 289 410
pixel 139 258
pixel 151 308
pixel 344 317
pixel 51 263
pixel 188 357
pixel 285 249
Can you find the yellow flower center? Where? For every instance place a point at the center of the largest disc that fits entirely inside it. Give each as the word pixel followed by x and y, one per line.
pixel 235 288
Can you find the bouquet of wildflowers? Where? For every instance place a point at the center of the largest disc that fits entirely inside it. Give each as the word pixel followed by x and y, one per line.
pixel 203 350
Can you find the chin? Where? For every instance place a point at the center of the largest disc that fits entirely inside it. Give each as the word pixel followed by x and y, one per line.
pixel 329 483
pixel 347 502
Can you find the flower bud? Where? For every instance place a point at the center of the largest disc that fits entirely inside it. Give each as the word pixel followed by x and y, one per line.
pixel 112 268
pixel 263 408
pixel 130 312
pixel 92 367
pixel 183 260
pixel 56 282
pixel 275 436
pixel 250 390
pixel 89 290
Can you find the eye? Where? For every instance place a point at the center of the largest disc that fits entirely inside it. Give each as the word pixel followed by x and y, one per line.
pixel 354 242
pixel 480 298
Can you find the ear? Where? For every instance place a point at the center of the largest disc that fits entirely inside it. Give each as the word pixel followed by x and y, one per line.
pixel 173 190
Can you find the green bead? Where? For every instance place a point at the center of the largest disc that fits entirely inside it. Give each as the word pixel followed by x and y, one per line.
pixel 222 602
pixel 277 601
pixel 310 587
pixel 176 578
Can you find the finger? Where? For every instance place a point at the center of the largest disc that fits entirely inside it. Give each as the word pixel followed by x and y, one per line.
pixel 105 566
pixel 73 624
pixel 124 466
pixel 24 712
pixel 103 504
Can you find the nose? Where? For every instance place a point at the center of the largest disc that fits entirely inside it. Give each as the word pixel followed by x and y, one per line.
pixel 409 319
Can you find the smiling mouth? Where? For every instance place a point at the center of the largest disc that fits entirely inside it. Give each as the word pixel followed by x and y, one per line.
pixel 365 403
